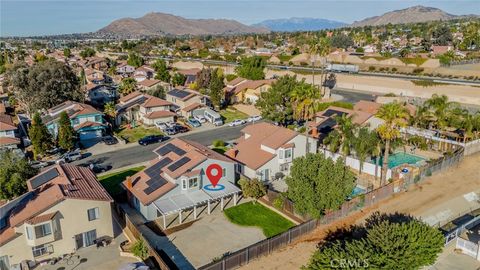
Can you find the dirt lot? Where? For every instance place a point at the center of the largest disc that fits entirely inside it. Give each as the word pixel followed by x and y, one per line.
pixel 418 200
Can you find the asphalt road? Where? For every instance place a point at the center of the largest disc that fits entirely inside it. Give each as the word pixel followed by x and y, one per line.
pixel 138 153
pixel 352 96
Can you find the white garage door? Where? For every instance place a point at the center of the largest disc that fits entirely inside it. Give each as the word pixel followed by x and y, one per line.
pixel 90 134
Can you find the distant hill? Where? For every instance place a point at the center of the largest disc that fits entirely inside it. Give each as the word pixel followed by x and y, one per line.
pixel 161 24
pixel 299 24
pixel 413 14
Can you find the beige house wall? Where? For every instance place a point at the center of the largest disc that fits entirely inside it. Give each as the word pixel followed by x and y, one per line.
pixel 73 219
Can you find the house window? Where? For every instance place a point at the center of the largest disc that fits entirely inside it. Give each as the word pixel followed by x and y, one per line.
pixel 184 184
pixel 224 172
pixel 29 232
pixel 280 154
pixel 43 230
pixel 288 153
pixel 193 182
pixel 4 264
pixel 40 250
pixel 284 167
pixel 93 214
pixel 98 118
pixel 76 121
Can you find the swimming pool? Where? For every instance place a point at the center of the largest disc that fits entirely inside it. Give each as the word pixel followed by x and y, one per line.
pixel 400 158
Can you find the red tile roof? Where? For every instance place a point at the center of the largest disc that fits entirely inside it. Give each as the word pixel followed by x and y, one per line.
pixel 6 123
pixel 9 141
pixel 41 218
pixel 159 114
pixel 192 107
pixel 88 124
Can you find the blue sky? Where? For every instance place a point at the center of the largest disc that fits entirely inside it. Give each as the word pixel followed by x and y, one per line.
pixel 39 17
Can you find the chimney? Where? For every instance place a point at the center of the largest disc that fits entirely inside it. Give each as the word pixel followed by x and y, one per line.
pixel 129 182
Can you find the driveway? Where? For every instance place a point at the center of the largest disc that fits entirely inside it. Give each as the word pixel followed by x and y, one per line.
pixel 212 236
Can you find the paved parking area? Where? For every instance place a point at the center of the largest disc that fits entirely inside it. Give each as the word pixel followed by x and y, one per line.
pixel 451 260
pixel 211 236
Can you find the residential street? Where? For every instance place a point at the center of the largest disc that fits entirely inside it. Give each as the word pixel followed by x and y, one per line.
pixel 138 154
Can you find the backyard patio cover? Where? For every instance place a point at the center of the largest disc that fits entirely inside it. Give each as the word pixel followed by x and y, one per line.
pixel 188 200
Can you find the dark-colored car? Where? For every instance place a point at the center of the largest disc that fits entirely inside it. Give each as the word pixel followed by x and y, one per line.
pixel 151 139
pixel 98 168
pixel 110 140
pixel 176 129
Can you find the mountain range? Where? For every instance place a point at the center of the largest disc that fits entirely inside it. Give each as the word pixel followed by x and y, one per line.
pixel 299 24
pixel 161 24
pixel 413 14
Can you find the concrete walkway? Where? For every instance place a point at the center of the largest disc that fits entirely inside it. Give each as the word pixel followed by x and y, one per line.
pixel 157 241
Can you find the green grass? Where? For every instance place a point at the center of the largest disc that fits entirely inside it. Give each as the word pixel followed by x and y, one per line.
pixel 135 134
pixel 418 61
pixel 231 114
pixel 427 83
pixel 285 58
pixel 111 182
pixel 249 214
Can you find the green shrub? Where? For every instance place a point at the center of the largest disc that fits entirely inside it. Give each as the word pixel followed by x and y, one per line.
pixel 231 77
pixel 418 70
pixel 140 249
pixel 218 143
pixel 416 179
pixel 371 68
pixel 428 173
pixel 394 69
pixel 278 202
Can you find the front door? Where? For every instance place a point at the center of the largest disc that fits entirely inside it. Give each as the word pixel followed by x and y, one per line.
pixel 79 241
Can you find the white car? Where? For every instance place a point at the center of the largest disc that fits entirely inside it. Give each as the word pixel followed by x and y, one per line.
pixel 200 118
pixel 236 122
pixel 69 157
pixel 161 125
pixel 170 124
pixel 254 118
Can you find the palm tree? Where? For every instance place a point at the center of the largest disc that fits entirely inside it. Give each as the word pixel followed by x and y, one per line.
pixel 395 116
pixel 439 108
pixel 342 138
pixel 320 47
pixel 109 110
pixel 304 97
pixel 364 145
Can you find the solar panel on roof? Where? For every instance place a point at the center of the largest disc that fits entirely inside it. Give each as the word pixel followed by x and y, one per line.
pixel 43 178
pixel 331 112
pixel 179 163
pixel 170 148
pixel 148 190
pixel 156 168
pixel 154 184
pixel 179 93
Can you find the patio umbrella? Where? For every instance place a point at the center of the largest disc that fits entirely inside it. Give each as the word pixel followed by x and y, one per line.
pixel 134 266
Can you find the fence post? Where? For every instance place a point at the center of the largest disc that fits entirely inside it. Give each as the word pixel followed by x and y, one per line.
pixel 248 255
pixel 223 264
pixel 289 236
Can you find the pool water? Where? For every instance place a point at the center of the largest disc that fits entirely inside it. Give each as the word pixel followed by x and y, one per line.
pixel 400 158
pixel 357 191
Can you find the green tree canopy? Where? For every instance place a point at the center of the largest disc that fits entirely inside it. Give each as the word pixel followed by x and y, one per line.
pixel 252 68
pixel 66 134
pixel 39 135
pixel 44 85
pixel 161 68
pixel 342 41
pixel 128 86
pixel 275 104
pixel 216 88
pixel 158 91
pixel 393 241
pixel 252 188
pixel 87 52
pixel 178 79
pixel 317 184
pixel 135 59
pixel 14 172
pixel 67 53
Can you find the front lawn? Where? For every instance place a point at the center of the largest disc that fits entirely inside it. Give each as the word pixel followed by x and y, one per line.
pixel 111 182
pixel 230 114
pixel 135 134
pixel 249 214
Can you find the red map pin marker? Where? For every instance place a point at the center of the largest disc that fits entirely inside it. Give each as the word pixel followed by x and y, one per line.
pixel 214 173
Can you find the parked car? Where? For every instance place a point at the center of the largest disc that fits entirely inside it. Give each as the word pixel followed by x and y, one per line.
pixel 151 139
pixel 181 129
pixel 98 168
pixel 193 122
pixel 69 157
pixel 170 124
pixel 161 125
pixel 236 122
pixel 254 118
pixel 110 140
pixel 40 164
pixel 200 118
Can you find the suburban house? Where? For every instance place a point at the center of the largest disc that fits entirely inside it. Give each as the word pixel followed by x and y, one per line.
pixel 94 76
pixel 149 84
pixel 98 63
pixel 266 151
pixel 98 95
pixel 241 90
pixel 325 121
pixel 144 108
pixel 86 120
pixel 183 98
pixel 190 74
pixel 125 69
pixel 8 132
pixel 144 73
pixel 65 209
pixel 177 181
